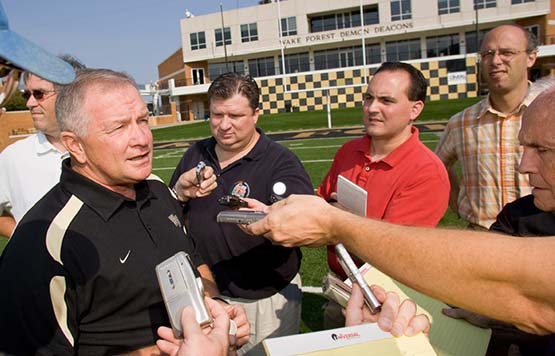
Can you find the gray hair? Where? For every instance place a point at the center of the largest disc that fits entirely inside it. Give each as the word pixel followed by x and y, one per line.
pixel 71 97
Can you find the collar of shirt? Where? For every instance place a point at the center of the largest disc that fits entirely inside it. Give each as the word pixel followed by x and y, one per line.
pixel 397 155
pixel 98 198
pixel 42 146
pixel 485 105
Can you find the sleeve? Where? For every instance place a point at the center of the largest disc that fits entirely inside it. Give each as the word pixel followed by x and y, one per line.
pixel 504 223
pixel 423 201
pixel 192 250
pixel 38 299
pixel 446 147
pixel 289 170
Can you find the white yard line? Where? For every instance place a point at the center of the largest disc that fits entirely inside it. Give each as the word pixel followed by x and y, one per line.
pixel 314 290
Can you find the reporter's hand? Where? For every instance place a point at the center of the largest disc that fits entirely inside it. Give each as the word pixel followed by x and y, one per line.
pixel 238 314
pixel 255 205
pixel 207 342
pixel 187 186
pixel 299 220
pixel 395 317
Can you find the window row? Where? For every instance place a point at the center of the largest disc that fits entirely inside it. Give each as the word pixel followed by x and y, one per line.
pixel 400 10
pixel 249 33
pixel 342 20
pixel 436 46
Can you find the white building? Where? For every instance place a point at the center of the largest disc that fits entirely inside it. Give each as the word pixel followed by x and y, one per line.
pixel 322 44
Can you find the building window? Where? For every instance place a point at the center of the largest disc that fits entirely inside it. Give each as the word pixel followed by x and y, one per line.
pixel 344 20
pixel 197 75
pixel 373 53
pixel 218 35
pixel 295 63
pixel 216 69
pixel 403 50
pixel 470 38
pixel 400 10
pixel 534 29
pixel 249 32
pixel 484 4
pixel 262 67
pixel 198 40
pixel 448 6
pixel 514 2
pixel 346 57
pixel 289 26
pixel 442 45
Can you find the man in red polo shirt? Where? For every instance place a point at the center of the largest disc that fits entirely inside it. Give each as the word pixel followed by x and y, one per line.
pixel 406 183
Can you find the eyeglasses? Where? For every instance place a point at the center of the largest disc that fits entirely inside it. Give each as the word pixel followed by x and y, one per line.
pixel 506 54
pixel 9 81
pixel 38 94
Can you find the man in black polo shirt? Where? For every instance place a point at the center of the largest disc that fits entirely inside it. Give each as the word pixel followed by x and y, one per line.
pixel 250 270
pixel 78 274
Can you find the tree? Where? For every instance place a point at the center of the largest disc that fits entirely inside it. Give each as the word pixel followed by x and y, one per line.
pixel 16 102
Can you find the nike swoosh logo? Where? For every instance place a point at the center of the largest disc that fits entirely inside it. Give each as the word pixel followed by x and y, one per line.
pixel 122 260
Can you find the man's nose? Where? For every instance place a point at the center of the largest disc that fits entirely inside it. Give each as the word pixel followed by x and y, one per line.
pixel 528 162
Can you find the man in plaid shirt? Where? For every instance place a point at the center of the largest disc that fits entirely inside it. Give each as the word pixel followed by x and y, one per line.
pixel 483 137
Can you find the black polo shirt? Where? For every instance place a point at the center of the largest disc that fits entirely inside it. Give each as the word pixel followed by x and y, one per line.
pixel 522 218
pixel 78 274
pixel 244 266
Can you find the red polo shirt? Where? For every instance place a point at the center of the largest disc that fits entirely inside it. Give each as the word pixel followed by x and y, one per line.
pixel 409 186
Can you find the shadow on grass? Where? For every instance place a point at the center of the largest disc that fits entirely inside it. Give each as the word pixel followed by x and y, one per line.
pixel 312 315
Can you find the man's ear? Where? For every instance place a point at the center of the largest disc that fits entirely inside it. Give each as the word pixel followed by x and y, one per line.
pixel 416 109
pixel 74 146
pixel 256 114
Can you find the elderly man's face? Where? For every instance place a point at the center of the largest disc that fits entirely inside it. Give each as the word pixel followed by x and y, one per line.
pixel 118 143
pixel 537 135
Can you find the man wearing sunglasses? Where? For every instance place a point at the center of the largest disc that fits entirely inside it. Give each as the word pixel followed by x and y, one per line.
pixel 484 137
pixel 30 167
pixel 18 54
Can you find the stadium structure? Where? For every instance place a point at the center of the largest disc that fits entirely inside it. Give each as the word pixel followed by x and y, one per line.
pixel 307 54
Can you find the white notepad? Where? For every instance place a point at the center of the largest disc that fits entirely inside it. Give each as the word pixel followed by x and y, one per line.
pixel 351 196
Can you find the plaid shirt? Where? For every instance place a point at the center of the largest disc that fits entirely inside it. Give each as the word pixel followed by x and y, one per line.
pixel 485 142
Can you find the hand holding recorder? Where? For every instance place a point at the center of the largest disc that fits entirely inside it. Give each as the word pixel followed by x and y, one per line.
pixel 197 182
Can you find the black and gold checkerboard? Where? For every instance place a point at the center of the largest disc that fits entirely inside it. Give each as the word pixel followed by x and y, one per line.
pixel 304 91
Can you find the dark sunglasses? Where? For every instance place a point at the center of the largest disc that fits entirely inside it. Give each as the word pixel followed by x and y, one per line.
pixel 37 94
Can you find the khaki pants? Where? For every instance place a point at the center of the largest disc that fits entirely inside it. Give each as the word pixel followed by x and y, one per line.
pixel 278 315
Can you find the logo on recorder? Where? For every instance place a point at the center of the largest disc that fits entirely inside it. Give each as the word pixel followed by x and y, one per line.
pixel 347 336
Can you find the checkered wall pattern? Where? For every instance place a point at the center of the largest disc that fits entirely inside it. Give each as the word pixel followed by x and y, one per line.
pixel 303 93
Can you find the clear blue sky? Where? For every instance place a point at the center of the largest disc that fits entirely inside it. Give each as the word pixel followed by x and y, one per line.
pixel 127 35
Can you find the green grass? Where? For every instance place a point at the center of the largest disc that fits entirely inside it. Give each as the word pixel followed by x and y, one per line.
pixel 433 111
pixel 3 242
